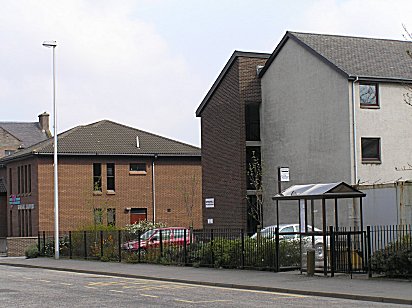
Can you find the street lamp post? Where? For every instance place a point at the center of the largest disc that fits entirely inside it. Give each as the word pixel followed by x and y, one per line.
pixel 53 44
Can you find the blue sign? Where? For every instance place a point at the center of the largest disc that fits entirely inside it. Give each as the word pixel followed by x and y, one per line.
pixel 13 200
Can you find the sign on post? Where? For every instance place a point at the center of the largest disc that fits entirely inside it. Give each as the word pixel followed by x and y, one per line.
pixel 284 174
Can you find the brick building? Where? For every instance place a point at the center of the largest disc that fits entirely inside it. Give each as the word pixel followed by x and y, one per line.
pixel 18 135
pixel 230 134
pixel 108 174
pixel 13 137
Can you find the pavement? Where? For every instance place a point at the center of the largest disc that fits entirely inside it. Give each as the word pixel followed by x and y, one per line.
pixel 341 286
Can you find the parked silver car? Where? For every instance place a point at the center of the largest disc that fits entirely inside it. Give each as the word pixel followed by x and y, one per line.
pixel 269 233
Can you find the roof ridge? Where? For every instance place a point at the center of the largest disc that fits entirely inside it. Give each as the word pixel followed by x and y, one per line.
pixel 349 36
pixel 142 131
pixel 14 122
pixel 11 134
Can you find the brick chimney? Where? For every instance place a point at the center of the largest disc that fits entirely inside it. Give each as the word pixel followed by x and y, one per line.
pixel 44 123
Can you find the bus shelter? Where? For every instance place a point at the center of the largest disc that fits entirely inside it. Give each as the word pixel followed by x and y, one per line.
pixel 309 193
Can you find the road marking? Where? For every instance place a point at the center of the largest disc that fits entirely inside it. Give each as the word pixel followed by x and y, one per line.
pixel 90 287
pixel 117 291
pixel 103 283
pixel 202 302
pixel 28 278
pixel 66 284
pixel 42 280
pixel 148 295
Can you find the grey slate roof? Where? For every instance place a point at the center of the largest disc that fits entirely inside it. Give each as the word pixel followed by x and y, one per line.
pixel 109 138
pixel 357 56
pixel 28 133
pixel 3 188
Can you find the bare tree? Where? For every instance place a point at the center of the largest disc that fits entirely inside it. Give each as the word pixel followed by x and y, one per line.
pixel 255 209
pixel 189 192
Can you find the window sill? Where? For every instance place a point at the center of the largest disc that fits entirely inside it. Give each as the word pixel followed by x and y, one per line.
pixel 97 193
pixel 372 162
pixel 137 172
pixel 110 192
pixel 364 106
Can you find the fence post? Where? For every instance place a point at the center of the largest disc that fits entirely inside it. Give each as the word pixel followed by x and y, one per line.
pixel 211 247
pixel 70 245
pixel 101 243
pixel 349 253
pixel 139 250
pixel 44 243
pixel 119 244
pixel 184 247
pixel 161 242
pixel 242 256
pixel 277 248
pixel 85 244
pixel 368 251
pixel 332 252
pixel 38 242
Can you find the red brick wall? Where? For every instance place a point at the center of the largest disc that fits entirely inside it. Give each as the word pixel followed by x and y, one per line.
pixel 224 145
pixel 77 200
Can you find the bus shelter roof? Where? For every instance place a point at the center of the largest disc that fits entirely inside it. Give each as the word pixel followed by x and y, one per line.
pixel 338 190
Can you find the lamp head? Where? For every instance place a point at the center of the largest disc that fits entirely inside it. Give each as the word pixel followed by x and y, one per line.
pixel 50 44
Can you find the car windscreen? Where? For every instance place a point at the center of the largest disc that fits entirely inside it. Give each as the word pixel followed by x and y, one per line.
pixel 147 234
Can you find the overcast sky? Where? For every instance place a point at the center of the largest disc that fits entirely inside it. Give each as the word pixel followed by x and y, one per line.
pixel 149 63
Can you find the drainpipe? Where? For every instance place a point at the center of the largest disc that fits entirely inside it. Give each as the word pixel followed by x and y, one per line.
pixel 154 188
pixel 355 154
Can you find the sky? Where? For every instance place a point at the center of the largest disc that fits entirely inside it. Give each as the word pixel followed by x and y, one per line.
pixel 148 64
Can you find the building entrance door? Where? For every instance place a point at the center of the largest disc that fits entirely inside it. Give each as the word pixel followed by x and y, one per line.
pixel 137 214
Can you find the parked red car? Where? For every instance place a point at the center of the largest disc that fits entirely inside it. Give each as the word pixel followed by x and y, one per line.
pixel 173 236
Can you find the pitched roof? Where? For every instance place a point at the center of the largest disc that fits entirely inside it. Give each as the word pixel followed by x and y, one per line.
pixel 222 74
pixel 319 191
pixel 367 58
pixel 28 133
pixel 109 138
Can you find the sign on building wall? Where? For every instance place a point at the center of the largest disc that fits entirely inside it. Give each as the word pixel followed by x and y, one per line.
pixel 13 200
pixel 210 221
pixel 25 207
pixel 284 174
pixel 209 202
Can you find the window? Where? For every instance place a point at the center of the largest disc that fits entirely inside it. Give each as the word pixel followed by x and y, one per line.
pixel 111 217
pixel 98 216
pixel 110 177
pixel 370 148
pixel 10 182
pixel 252 120
pixel 29 179
pixel 368 94
pixel 18 181
pixel 8 152
pixel 97 177
pixel 137 168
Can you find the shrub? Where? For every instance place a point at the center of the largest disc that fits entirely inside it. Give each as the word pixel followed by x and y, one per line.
pixel 395 260
pixel 143 226
pixel 32 252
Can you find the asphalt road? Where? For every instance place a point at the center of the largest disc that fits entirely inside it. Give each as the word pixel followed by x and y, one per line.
pixel 28 287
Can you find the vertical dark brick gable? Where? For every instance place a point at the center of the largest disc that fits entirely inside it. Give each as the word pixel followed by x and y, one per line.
pixel 224 145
